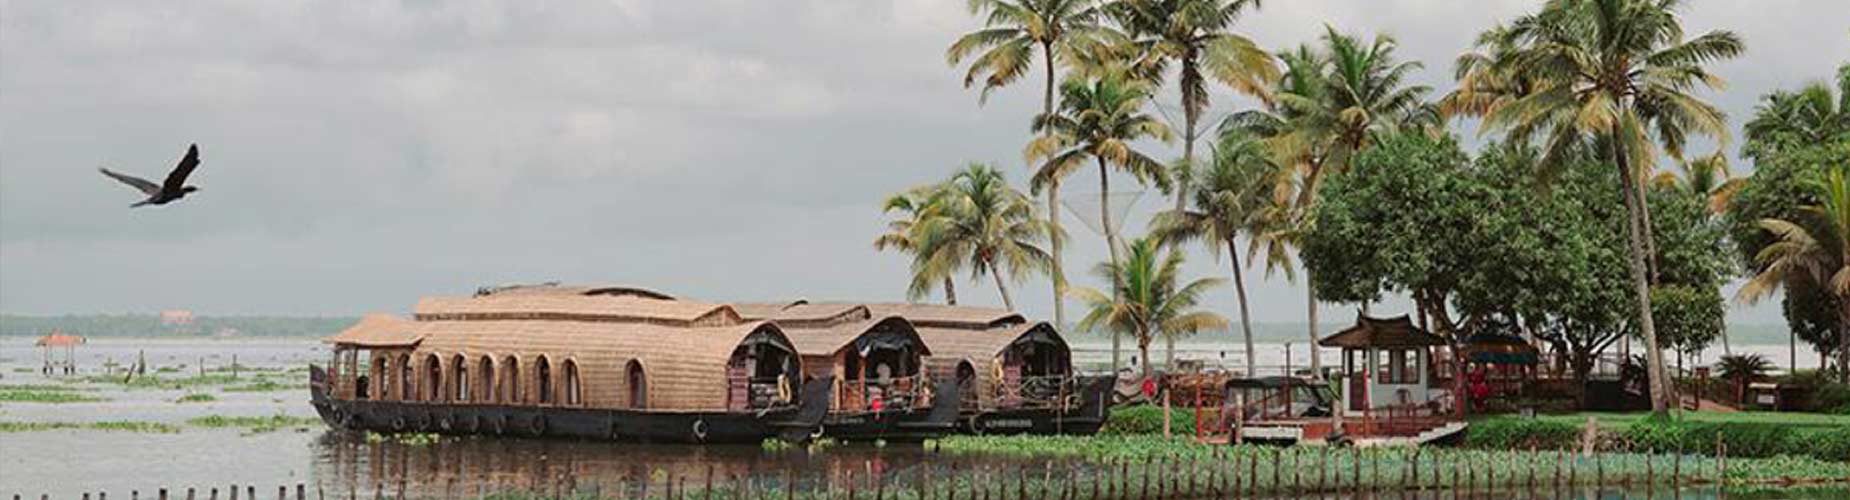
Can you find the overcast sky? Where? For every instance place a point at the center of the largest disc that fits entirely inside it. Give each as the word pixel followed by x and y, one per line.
pixel 357 155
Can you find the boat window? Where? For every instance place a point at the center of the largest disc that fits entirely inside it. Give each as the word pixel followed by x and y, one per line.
pixel 638 385
pixel 433 378
pixel 542 370
pixel 486 369
pixel 460 367
pixel 574 393
pixel 406 389
pixel 377 373
pixel 510 380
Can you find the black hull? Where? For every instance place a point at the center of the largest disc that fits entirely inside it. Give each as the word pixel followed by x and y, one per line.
pixel 553 422
pixel 1091 414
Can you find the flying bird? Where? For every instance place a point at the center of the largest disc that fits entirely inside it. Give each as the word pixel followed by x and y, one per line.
pixel 166 192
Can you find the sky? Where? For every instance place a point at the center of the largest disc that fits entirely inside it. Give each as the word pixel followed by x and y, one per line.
pixel 358 155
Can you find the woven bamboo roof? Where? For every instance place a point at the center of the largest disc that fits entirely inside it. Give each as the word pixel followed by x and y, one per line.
pixel 823 341
pixel 685 366
pixel 378 330
pixel 953 345
pixel 933 315
pixel 1397 331
pixel 558 289
pixel 806 315
pixel 558 306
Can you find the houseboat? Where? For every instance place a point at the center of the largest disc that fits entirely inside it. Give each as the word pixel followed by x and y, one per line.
pixel 599 363
pixel 883 390
pixel 1013 376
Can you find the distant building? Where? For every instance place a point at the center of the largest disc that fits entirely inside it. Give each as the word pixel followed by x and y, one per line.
pixel 176 318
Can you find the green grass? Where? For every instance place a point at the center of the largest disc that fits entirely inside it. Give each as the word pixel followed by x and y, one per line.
pixel 34 396
pixel 271 422
pixel 42 387
pixel 1783 418
pixel 1384 467
pixel 113 426
pixel 197 397
pixel 266 385
pixel 157 382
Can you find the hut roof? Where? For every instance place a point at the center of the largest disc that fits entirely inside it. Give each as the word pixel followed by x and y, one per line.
pixel 576 307
pixel 378 330
pixel 686 366
pixel 1397 331
pixel 557 289
pixel 873 332
pixel 940 316
pixel 1500 350
pixel 58 338
pixel 952 345
pixel 806 315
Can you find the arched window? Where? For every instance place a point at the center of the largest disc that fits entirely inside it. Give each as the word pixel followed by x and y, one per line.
pixel 407 390
pixel 433 378
pixel 459 368
pixel 486 371
pixel 574 392
pixel 510 379
pixel 638 385
pixel 372 377
pixel 542 370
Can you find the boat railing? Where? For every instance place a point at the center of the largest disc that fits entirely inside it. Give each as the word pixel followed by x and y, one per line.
pixel 760 393
pixel 1039 392
pixel 876 395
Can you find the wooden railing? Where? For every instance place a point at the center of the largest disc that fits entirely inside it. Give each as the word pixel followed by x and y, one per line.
pixel 898 392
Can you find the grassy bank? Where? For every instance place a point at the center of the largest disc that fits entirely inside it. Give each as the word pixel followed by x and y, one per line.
pixel 1338 469
pixel 1757 435
pixel 114 426
pixel 253 424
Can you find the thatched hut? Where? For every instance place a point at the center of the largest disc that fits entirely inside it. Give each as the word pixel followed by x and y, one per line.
pixel 1021 365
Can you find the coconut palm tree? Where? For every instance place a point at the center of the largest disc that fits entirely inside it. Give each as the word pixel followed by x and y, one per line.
pixel 1099 120
pixel 1707 176
pixel 976 219
pixel 1233 196
pixel 1810 115
pixel 1812 252
pixel 1012 31
pixel 1613 76
pixel 1742 370
pixel 1195 36
pixel 1330 102
pixel 910 208
pixel 1148 303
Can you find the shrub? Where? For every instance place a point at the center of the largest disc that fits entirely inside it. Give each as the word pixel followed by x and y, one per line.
pixel 1743 439
pixel 1508 433
pixel 1148 419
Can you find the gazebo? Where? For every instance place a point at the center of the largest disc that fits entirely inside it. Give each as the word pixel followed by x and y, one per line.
pixel 1387 365
pixel 52 345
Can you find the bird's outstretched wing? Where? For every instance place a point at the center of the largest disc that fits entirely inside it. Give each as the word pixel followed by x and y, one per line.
pixel 145 186
pixel 177 178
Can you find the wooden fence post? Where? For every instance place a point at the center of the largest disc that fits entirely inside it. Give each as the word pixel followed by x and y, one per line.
pixel 1721 460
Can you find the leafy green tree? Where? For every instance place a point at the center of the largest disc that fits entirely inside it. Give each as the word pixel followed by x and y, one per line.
pixel 908 210
pixel 1194 35
pixel 1012 30
pixel 1689 318
pixel 1099 120
pixel 1613 76
pixel 1149 302
pixel 1234 194
pixel 975 219
pixel 1813 251
pixel 1787 120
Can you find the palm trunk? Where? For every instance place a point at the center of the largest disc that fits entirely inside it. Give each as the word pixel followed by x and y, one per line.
pixel 1246 320
pixel 1053 200
pixel 1143 348
pixel 1002 288
pixel 1310 295
pixel 1185 175
pixel 1650 241
pixel 950 291
pixel 1111 243
pixel 1641 284
pixel 1843 338
pixel 1169 353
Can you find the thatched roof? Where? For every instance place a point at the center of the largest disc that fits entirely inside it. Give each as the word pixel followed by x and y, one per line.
pixel 378 330
pixel 953 345
pixel 579 307
pixel 806 315
pixel 940 316
pixel 59 339
pixel 685 366
pixel 885 330
pixel 1398 331
pixel 558 289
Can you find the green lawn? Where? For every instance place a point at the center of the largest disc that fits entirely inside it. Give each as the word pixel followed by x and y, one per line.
pixel 1785 418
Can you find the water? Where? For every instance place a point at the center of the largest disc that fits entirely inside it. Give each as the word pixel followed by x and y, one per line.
pixel 69 463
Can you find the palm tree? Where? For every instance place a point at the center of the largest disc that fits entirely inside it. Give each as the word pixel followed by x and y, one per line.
pixel 1708 177
pixel 911 206
pixel 1012 30
pixel 1742 370
pixel 1232 198
pixel 1612 76
pixel 977 219
pixel 1814 252
pixel 1099 120
pixel 1808 116
pixel 1147 302
pixel 1194 34
pixel 1328 105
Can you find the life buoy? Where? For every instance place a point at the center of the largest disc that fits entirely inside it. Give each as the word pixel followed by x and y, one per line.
pixel 700 430
pixel 444 423
pixel 500 425
pixel 537 426
pixel 398 423
pixel 783 388
pixel 997 373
